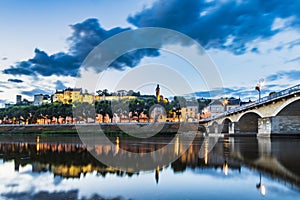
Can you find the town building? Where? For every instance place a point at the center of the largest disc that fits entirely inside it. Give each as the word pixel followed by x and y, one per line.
pixel 219 106
pixel 68 96
pixel 113 98
pixel 40 99
pixel 18 99
pixel 190 112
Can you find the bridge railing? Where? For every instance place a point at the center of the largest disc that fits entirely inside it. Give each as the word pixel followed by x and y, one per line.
pixel 277 95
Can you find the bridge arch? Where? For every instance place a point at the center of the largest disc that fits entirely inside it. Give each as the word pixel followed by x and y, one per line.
pixel 214 128
pixel 250 111
pixel 202 128
pixel 248 122
pixel 226 123
pixel 290 104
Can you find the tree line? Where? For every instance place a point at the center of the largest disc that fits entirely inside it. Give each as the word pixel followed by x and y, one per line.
pixel 82 111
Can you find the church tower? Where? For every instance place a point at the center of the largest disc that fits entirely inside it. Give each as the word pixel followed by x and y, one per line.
pixel 157 93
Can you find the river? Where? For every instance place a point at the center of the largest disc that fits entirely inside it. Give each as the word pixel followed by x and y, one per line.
pixel 160 167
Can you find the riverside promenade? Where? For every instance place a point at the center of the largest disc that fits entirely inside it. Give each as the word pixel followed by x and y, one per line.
pixel 167 127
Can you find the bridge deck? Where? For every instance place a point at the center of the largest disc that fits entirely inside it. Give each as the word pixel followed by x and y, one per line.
pixel 265 100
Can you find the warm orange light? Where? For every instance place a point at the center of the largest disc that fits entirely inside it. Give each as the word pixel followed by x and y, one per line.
pixel 206 152
pixel 225 169
pixel 38 143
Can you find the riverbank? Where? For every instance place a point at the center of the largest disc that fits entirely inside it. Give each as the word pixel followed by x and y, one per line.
pixel 108 128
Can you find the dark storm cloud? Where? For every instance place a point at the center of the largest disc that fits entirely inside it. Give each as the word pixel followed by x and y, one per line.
pixel 45 65
pixel 292 75
pixel 34 91
pixel 85 37
pixel 212 23
pixel 226 25
pixel 15 80
pixel 89 34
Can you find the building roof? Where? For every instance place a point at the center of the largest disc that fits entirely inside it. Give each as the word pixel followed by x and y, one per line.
pixel 233 101
pixel 73 89
pixel 216 102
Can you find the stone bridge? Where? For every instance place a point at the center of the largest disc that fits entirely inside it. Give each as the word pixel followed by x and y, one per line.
pixel 275 114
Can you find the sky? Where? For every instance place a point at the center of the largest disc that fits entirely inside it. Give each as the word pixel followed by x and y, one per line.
pixel 43 45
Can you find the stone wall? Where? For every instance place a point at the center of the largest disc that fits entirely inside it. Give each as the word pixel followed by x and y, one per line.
pixel 71 128
pixel 285 125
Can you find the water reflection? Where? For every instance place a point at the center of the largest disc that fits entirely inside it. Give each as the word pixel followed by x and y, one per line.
pixel 267 161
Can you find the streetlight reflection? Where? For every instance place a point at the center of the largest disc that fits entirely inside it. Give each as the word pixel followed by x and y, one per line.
pixel 261 187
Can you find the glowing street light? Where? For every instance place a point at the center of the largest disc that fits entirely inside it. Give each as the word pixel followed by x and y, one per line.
pixel 225 103
pixel 260 84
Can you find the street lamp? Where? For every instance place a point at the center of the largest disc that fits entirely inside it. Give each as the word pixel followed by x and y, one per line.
pixel 260 84
pixel 258 89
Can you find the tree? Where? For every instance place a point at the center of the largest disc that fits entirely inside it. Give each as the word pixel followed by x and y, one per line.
pixel 99 92
pixel 103 108
pixel 105 92
pixel 120 108
pixel 137 106
pixel 83 110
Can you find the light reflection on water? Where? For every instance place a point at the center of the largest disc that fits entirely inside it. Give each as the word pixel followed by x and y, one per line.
pixel 236 168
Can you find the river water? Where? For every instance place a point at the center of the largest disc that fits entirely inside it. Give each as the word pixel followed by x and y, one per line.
pixel 162 167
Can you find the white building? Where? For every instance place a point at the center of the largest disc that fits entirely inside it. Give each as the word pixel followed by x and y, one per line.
pixel 40 99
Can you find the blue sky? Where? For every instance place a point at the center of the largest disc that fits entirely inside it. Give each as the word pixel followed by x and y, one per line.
pixel 43 43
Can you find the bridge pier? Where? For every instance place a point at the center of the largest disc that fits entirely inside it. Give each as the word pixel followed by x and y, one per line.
pixel 283 125
pixel 233 128
pixel 264 127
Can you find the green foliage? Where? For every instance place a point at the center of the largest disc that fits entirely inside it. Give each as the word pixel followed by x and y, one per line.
pixel 32 113
pixel 202 103
pixel 103 108
pixel 142 104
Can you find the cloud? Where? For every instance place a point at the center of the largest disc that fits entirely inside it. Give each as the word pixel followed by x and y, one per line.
pixel 69 194
pixel 239 92
pixel 4 85
pixel 60 64
pixel 294 60
pixel 292 75
pixel 34 91
pixel 59 85
pixel 72 194
pixel 226 25
pixel 15 80
pixel 86 35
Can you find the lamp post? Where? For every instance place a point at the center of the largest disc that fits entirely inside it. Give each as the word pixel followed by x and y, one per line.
pixel 258 89
pixel 260 84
